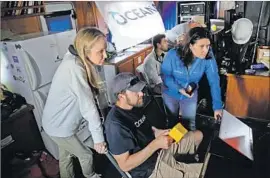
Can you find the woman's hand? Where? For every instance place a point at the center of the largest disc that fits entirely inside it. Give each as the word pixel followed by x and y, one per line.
pixel 183 92
pixel 218 114
pixel 101 148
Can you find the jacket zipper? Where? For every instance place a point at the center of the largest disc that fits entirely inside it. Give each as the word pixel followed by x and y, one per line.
pixel 187 74
pixel 187 79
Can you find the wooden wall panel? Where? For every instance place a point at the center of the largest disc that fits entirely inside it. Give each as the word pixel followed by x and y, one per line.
pixel 22 25
pixel 132 62
pixel 138 60
pixel 85 14
pixel 248 96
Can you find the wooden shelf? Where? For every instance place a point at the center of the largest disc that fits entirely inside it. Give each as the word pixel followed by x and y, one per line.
pixel 22 16
pixel 25 7
pixel 21 9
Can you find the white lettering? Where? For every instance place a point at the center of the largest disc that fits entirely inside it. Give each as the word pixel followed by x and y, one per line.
pixel 140 122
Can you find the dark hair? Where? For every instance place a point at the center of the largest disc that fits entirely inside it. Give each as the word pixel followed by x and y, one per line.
pixel 157 39
pixel 191 37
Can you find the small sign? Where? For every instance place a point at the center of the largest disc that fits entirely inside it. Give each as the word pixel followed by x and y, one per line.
pixel 15 59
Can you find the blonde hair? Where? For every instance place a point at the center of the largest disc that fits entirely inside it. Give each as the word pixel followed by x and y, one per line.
pixel 83 43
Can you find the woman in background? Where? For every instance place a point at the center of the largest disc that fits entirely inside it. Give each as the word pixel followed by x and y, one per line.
pixel 185 65
pixel 71 99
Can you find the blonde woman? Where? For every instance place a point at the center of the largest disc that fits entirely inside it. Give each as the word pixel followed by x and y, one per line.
pixel 71 99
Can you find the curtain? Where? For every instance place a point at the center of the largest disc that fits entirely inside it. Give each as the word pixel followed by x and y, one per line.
pixel 167 11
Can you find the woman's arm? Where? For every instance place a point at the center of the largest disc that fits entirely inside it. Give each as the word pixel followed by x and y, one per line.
pixel 86 101
pixel 167 71
pixel 213 79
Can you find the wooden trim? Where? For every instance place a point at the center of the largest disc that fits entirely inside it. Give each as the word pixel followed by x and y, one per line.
pixel 246 76
pixel 134 55
pixel 24 7
pixel 25 25
pixel 22 16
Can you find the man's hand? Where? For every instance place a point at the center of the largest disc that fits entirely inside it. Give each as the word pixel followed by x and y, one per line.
pixel 101 148
pixel 180 40
pixel 183 92
pixel 159 132
pixel 193 24
pixel 163 141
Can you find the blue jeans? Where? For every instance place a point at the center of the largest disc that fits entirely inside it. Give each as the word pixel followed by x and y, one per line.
pixel 187 107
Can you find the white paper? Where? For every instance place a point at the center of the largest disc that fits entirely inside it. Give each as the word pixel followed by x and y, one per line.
pixel 237 134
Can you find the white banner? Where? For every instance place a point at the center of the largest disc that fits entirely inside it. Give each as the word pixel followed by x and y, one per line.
pixel 131 22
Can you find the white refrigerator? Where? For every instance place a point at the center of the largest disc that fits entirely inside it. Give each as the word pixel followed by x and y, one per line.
pixel 28 64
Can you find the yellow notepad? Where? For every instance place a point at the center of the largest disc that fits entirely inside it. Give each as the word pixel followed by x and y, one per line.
pixel 177 132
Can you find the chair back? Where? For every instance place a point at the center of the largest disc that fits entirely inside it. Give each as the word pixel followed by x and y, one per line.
pixel 113 161
pixel 141 73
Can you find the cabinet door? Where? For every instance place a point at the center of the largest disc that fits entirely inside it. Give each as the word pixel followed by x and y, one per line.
pixel 126 66
pixel 138 60
pixel 85 14
pixel 148 51
pixel 248 96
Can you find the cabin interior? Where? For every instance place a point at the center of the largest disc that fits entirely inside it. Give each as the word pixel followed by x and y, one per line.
pixel 36 35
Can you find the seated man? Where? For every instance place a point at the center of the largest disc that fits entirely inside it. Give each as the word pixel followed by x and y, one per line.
pixel 140 149
pixel 153 60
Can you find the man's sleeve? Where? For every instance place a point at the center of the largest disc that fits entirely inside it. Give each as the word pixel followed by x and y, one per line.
pixel 151 71
pixel 119 139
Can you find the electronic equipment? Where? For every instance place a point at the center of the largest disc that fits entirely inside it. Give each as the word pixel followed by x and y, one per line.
pixel 190 88
pixel 59 21
pixel 240 7
pixel 230 16
pixel 191 11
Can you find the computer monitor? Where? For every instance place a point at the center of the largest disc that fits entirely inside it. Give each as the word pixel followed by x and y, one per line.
pixel 59 23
